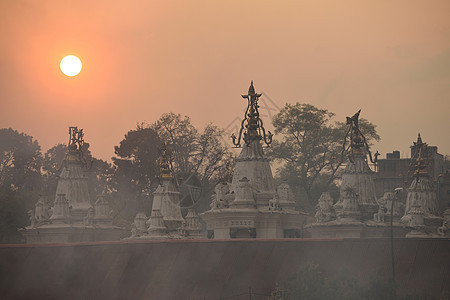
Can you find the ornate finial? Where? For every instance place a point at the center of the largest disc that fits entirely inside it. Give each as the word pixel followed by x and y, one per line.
pixel 77 148
pixel 164 165
pixel 358 144
pixel 419 140
pixel 76 138
pixel 420 166
pixel 254 127
pixel 251 89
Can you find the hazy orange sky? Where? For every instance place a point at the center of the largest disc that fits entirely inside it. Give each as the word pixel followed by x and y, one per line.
pixel 144 58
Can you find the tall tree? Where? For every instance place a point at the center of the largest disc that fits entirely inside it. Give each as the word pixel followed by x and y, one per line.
pixel 136 159
pixel 20 160
pixel 20 181
pixel 203 154
pixel 193 153
pixel 13 215
pixel 135 168
pixel 51 167
pixel 181 138
pixel 309 145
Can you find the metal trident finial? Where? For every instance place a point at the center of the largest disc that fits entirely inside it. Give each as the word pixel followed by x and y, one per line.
pixel 254 127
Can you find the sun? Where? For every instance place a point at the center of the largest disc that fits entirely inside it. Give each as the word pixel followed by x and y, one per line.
pixel 70 65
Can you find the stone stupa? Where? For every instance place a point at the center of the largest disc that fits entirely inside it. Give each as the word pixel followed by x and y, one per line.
pixel 352 216
pixel 72 217
pixel 166 220
pixel 251 206
pixel 421 212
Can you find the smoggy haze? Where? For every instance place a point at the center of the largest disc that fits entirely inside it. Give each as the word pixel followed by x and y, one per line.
pixel 145 58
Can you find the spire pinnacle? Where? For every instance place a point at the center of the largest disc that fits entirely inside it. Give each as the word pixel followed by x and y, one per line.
pixel 164 166
pixel 76 138
pixel 251 89
pixel 420 166
pixel 419 140
pixel 254 129
pixel 358 144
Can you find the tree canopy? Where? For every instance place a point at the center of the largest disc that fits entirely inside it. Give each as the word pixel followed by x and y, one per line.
pixel 201 154
pixel 20 160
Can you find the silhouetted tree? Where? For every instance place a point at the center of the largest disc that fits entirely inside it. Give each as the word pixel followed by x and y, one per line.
pixel 136 159
pixel 51 167
pixel 193 153
pixel 13 215
pixel 20 181
pixel 201 154
pixel 20 161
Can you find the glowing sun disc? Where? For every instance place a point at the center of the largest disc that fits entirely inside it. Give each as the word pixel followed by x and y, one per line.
pixel 70 65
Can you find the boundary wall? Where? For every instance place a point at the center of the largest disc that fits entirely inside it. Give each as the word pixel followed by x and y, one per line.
pixel 210 269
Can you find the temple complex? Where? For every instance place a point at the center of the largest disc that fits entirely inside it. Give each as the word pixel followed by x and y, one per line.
pixel 357 213
pixel 251 206
pixel 166 220
pixel 72 217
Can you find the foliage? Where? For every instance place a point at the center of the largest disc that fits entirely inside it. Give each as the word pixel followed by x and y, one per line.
pixel 12 216
pixel 180 136
pixel 201 154
pixel 192 152
pixel 20 181
pixel 100 178
pixel 20 161
pixel 134 170
pixel 309 146
pixel 136 161
pixel 51 167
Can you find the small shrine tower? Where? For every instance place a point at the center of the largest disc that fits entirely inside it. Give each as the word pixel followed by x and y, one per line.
pixel 421 212
pixel 166 220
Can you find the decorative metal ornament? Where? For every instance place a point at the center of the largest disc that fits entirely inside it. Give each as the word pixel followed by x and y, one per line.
pixel 419 165
pixel 76 138
pixel 76 148
pixel 358 143
pixel 164 163
pixel 254 129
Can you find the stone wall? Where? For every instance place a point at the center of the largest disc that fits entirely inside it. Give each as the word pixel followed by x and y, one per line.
pixel 209 269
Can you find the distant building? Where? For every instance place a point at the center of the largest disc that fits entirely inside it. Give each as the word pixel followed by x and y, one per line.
pixel 444 191
pixel 395 172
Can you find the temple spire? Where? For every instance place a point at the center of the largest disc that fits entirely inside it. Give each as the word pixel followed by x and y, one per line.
pixel 164 164
pixel 254 129
pixel 76 138
pixel 420 166
pixel 251 90
pixel 358 144
pixel 419 140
